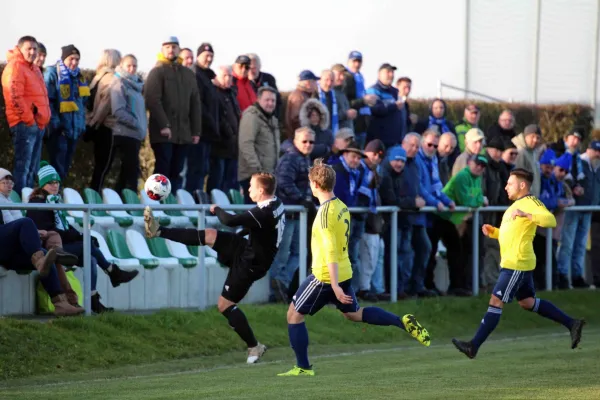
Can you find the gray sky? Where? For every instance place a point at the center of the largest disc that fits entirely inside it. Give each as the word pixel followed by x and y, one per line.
pixel 278 30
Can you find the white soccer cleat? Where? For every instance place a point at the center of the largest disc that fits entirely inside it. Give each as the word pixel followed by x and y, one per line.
pixel 255 353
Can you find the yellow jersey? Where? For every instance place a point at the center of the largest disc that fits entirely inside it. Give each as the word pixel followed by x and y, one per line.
pixel 329 241
pixel 516 235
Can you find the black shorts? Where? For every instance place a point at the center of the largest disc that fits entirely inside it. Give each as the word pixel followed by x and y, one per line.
pixel 233 251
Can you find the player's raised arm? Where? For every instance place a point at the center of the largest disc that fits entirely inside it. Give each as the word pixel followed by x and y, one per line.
pixel 539 214
pixel 246 219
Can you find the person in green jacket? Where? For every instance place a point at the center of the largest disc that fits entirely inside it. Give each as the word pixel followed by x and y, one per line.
pixel 465 188
pixel 470 120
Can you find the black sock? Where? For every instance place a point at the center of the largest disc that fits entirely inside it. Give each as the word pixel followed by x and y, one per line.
pixel 239 323
pixel 190 237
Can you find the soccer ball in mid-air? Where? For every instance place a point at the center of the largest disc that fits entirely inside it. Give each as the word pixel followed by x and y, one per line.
pixel 157 187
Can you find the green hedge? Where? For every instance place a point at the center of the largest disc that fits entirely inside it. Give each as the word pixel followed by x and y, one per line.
pixel 555 121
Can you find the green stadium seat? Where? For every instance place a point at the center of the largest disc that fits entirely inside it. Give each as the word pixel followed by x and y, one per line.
pixel 170 199
pixel 158 247
pixel 93 197
pixel 236 197
pixel 118 247
pixel 15 198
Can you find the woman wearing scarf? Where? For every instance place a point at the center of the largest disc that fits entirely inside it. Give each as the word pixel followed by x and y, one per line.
pixel 129 111
pixel 437 120
pixel 56 221
pixel 68 92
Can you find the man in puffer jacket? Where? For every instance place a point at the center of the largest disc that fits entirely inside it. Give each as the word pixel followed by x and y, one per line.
pixel 27 109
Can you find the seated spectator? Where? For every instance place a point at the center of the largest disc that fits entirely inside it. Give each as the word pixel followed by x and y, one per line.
pixel 258 139
pixel 56 221
pixel 371 281
pixel 529 147
pixel 292 189
pixel 474 144
pixel 129 131
pixel 470 120
pixel 504 128
pixel 349 174
pixel 68 92
pixel 306 87
pixel 50 240
pixel 314 115
pixel 342 140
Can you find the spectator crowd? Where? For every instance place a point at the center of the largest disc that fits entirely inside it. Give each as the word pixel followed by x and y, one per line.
pixel 212 129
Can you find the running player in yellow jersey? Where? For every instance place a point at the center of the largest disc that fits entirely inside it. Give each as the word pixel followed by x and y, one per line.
pixel 515 235
pixel 331 275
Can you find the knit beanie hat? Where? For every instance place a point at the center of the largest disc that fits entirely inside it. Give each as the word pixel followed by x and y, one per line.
pixel 47 174
pixel 548 157
pixel 564 161
pixel 69 50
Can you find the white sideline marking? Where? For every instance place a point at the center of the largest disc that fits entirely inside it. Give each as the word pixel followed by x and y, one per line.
pixel 244 365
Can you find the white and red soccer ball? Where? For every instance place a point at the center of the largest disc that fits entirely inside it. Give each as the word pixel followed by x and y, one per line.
pixel 157 187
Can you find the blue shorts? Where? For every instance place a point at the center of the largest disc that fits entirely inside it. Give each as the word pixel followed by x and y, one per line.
pixel 514 284
pixel 312 295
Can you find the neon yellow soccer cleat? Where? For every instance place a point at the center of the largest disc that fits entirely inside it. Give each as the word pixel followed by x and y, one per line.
pixel 297 371
pixel 414 328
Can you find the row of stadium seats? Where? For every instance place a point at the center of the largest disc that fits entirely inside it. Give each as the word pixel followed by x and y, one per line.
pixel 168 274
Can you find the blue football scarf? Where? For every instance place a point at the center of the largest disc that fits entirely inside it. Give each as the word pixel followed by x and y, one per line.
pixel 354 175
pixel 360 91
pixel 335 123
pixel 440 122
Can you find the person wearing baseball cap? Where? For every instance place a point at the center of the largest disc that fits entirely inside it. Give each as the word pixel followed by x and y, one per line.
pixel 570 144
pixel 474 144
pixel 355 90
pixel 305 88
pixel 529 146
pixel 470 120
pixel 245 92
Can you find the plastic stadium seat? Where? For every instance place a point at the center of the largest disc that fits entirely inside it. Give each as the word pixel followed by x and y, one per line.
pixel 121 262
pixel 131 197
pixel 118 247
pixel 159 248
pixel 185 198
pixel 111 197
pixel 92 197
pixel 139 248
pixel 180 251
pixel 219 198
pixel 236 197
pixel 71 196
pixel 25 193
pixel 171 200
pixel 202 198
pixel 14 197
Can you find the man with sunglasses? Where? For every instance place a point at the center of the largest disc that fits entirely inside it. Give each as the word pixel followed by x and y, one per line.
pixel 292 189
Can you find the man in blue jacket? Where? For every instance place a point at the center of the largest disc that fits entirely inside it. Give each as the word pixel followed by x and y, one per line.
pixel 388 114
pixel 349 174
pixel 400 187
pixel 292 189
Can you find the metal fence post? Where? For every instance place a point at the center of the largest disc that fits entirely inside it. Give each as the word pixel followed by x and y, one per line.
pixel 87 268
pixel 202 264
pixel 548 259
pixel 394 257
pixel 303 244
pixel 475 280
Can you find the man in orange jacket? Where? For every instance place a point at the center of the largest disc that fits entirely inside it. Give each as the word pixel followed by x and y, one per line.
pixel 27 109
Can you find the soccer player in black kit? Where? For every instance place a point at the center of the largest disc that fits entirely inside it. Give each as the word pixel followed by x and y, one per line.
pixel 248 259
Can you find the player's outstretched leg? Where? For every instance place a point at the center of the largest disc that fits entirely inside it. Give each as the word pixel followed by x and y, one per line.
pixel 299 341
pixel 238 321
pixel 548 310
pixel 378 316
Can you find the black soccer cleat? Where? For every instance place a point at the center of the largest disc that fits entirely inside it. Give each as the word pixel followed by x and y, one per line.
pixel 576 332
pixel 466 348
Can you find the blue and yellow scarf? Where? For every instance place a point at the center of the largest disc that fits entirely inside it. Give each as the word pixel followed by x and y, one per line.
pixel 72 85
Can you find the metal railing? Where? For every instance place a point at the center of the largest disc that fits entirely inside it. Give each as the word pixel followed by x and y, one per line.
pixel 202 210
pixel 441 85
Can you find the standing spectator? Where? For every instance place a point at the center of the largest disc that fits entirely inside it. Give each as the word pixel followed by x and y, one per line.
pixel 438 121
pixel 574 235
pixel 199 155
pixel 370 240
pixel 404 86
pixel 446 148
pixel 99 119
pixel 258 79
pixel 187 57
pixel 400 188
pixel 307 86
pixel 131 123
pixel 387 121
pixel 292 189
pixel 470 120
pixel 509 155
pixel 529 146
pixel 40 59
pixel 504 128
pixel 68 93
pixel 349 174
pixel 494 180
pixel 258 139
pixel 314 115
pixel 224 152
pixel 27 109
pixel 245 92
pixel 346 113
pixel 570 144
pixel 328 98
pixel 172 98
pixel 474 144
pixel 355 90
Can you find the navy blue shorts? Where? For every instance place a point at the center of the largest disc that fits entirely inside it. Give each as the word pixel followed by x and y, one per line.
pixel 514 284
pixel 312 295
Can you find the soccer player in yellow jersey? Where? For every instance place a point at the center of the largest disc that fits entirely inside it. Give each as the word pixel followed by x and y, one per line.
pixel 515 235
pixel 330 281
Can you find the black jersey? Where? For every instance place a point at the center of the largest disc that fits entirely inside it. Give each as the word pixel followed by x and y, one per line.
pixel 265 224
